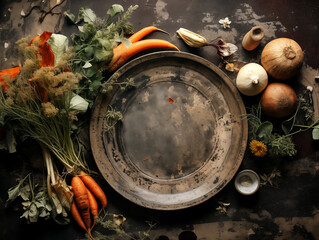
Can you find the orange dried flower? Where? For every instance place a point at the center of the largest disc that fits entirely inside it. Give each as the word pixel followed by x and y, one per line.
pixel 257 148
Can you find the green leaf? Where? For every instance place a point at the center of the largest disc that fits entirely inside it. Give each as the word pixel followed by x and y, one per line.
pixel 89 50
pixel 13 193
pixel 126 42
pixel 87 65
pixel 86 14
pixel 81 29
pixel 115 9
pixel 103 55
pixel 288 124
pixel 39 204
pixel 25 192
pixel 25 215
pixel 315 133
pixel 121 39
pixel 78 103
pixel 264 130
pixel 59 44
pixel 70 16
pixel 33 210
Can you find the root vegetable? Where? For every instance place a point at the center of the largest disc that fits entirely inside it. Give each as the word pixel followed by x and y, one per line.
pixel 81 200
pixel 282 58
pixel 93 206
pixel 279 100
pixel 92 185
pixel 119 58
pixel 121 53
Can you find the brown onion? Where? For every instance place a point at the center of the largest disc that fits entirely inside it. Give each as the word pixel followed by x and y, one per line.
pixel 279 100
pixel 282 58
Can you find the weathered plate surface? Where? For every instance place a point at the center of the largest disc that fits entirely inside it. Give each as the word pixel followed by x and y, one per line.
pixel 181 139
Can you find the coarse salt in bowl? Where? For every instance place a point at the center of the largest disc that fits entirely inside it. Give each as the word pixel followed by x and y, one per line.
pixel 247 182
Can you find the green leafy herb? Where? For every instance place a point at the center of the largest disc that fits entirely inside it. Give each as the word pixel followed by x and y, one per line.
pixel 278 144
pixel 35 200
pixel 93 45
pixel 315 133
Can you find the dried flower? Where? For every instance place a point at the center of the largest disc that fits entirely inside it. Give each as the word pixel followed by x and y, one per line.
pixel 222 207
pixel 192 39
pixel 119 219
pixel 268 179
pixel 257 148
pixel 49 109
pixel 225 22
pixel 310 88
pixel 224 49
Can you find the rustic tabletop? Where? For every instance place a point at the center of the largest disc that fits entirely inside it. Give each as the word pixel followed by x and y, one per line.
pixel 285 207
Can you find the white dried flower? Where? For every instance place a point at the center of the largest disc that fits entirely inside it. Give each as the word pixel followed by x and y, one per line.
pixel 310 88
pixel 78 103
pixel 225 22
pixel 191 39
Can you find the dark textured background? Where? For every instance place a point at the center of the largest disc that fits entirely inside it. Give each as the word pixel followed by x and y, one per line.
pixel 290 210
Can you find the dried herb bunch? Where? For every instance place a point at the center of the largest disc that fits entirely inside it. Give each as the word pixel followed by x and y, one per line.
pixel 37 102
pixel 265 140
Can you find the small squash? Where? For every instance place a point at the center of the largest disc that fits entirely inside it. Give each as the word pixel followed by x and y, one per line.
pixel 252 79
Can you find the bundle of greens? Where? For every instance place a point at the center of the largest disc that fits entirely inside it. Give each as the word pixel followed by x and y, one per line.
pixel 265 139
pixel 93 45
pixel 41 99
pixel 37 101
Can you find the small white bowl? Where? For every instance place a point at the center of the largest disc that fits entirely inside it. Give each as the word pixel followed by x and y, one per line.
pixel 247 182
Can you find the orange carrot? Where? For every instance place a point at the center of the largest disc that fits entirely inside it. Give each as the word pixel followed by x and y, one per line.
pixel 136 37
pixel 136 48
pixel 93 207
pixel 117 51
pixel 92 185
pixel 13 72
pixel 77 216
pixel 81 200
pixel 75 212
pixel 142 33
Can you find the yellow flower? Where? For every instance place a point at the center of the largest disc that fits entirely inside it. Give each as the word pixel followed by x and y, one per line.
pixel 257 148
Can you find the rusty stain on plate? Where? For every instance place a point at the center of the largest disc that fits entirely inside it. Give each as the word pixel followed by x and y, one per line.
pixel 194 146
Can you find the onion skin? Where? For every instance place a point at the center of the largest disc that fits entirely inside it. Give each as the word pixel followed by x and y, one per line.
pixel 279 100
pixel 282 58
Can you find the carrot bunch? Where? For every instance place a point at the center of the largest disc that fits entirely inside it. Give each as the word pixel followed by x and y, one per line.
pixel 121 53
pixel 84 208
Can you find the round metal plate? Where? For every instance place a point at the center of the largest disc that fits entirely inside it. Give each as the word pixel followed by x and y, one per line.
pixel 182 137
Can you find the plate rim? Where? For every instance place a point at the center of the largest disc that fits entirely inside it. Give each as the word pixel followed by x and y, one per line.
pixel 94 123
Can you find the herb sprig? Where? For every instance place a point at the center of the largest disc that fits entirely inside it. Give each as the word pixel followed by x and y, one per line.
pixel 94 44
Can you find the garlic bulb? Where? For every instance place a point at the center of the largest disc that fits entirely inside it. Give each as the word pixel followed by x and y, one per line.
pixel 192 39
pixel 252 79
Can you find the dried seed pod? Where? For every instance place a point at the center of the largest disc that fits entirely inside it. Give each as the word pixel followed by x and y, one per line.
pixel 191 39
